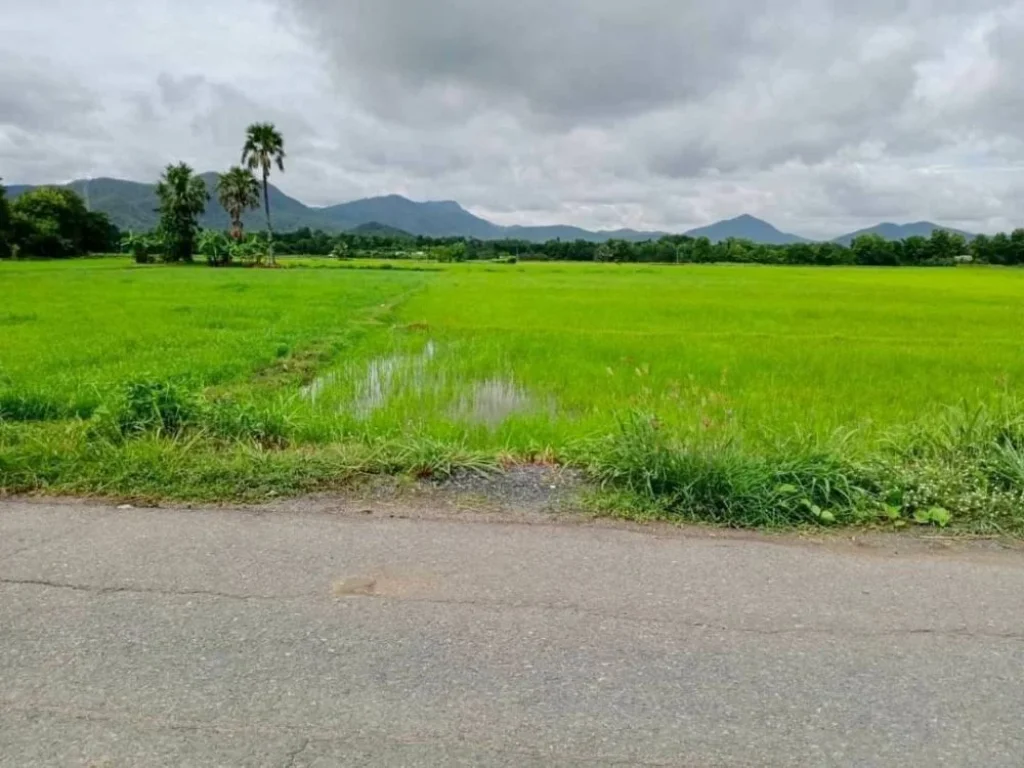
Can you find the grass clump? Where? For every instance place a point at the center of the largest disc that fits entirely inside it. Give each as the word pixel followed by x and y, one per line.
pixel 158 407
pixel 719 482
pixel 173 409
pixel 32 406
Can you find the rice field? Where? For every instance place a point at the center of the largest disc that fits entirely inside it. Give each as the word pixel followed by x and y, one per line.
pixel 487 361
pixel 562 349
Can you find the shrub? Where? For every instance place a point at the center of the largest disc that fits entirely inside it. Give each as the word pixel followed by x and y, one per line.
pixel 164 407
pixel 216 247
pixel 143 248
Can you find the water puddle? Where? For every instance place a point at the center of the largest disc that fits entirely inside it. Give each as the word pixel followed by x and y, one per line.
pixel 493 401
pixel 385 374
pixel 489 402
pixel 315 388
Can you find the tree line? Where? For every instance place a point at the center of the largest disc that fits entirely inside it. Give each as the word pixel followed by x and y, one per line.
pixel 942 248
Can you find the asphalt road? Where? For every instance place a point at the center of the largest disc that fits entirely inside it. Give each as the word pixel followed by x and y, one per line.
pixel 205 638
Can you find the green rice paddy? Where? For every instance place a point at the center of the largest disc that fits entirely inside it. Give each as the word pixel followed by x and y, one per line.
pixel 302 376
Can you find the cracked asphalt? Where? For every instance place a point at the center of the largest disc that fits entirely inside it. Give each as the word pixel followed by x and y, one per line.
pixel 311 637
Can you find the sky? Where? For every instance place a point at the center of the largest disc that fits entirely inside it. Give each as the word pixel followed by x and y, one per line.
pixel 821 116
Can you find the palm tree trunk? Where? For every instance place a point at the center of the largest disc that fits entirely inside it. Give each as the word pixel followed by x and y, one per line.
pixel 270 229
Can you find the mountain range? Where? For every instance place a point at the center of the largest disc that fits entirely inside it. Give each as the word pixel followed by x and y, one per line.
pixel 132 205
pixel 891 231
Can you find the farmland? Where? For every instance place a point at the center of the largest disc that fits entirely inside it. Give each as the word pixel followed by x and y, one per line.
pixel 740 394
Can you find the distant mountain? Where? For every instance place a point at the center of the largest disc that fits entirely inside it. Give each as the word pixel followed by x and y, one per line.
pixel 132 206
pixel 892 231
pixel 747 228
pixel 563 232
pixel 432 219
pixel 379 230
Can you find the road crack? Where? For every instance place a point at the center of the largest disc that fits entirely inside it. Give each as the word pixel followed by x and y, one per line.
pixel 101 590
pixel 502 606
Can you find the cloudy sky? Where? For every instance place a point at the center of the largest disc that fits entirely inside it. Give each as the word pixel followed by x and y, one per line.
pixel 818 115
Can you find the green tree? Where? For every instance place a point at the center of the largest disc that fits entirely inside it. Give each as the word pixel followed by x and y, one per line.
pixel 54 222
pixel 703 250
pixel 183 198
pixel 875 250
pixel 981 249
pixel 5 222
pixel 945 247
pixel 264 148
pixel 1000 249
pixel 1015 253
pixel 916 250
pixel 238 191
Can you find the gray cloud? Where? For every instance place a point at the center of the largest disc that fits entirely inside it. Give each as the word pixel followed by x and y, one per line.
pixel 820 115
pixel 35 99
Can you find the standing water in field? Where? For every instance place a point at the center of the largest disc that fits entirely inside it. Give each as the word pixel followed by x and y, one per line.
pixel 491 402
pixel 385 374
pixel 313 390
pixel 425 383
pixel 370 386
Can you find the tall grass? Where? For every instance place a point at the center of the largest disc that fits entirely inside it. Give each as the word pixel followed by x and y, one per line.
pixel 963 466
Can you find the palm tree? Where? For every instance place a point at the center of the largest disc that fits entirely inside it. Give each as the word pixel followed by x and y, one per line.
pixel 183 198
pixel 238 191
pixel 264 147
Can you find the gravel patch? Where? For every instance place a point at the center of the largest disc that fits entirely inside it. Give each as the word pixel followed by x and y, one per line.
pixel 530 487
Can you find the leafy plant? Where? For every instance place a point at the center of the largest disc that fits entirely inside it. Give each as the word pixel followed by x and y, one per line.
pixel 216 247
pixel 147 405
pixel 142 247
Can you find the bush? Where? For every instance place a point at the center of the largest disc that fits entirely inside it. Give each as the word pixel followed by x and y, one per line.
pixel 250 250
pixel 143 248
pixel 164 407
pixel 216 247
pixel 53 222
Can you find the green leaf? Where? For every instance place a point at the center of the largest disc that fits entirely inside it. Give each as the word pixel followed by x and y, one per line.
pixel 934 516
pixel 786 490
pixel 892 513
pixel 941 517
pixel 827 516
